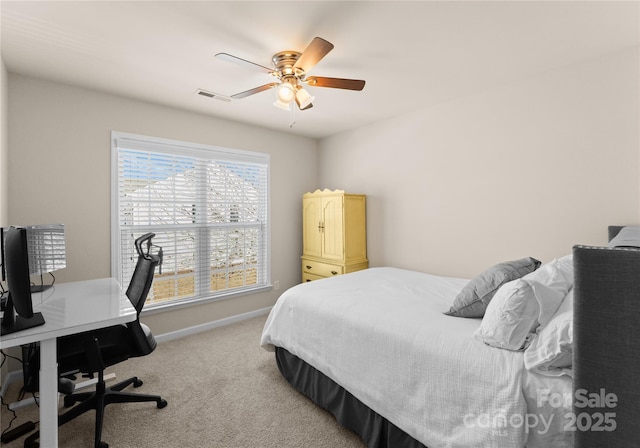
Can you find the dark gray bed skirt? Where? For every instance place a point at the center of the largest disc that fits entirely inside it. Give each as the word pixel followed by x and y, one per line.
pixel 376 431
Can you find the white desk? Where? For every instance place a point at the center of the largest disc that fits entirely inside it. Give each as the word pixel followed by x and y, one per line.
pixel 68 308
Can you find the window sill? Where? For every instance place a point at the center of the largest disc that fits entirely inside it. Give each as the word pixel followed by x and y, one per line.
pixel 177 304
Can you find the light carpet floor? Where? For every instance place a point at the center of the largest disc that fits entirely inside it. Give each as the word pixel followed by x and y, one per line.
pixel 224 391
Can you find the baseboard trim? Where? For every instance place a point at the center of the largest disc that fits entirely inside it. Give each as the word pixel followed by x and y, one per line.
pixel 210 325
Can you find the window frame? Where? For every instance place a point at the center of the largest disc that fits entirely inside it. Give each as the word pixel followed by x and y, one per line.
pixel 181 148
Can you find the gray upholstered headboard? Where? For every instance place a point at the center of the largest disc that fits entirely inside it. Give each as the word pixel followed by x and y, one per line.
pixel 606 357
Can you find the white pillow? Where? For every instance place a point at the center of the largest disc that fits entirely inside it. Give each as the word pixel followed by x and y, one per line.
pixel 515 312
pixel 557 274
pixel 551 351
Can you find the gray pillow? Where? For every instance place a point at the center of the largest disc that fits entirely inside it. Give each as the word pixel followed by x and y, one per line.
pixel 474 298
pixel 627 237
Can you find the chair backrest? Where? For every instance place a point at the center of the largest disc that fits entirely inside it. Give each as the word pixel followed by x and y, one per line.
pixel 141 282
pixel 137 292
pixel 143 273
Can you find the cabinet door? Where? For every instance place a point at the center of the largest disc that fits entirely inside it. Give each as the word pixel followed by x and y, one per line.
pixel 312 220
pixel 332 237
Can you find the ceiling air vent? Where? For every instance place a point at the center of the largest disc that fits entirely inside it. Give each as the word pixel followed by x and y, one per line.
pixel 208 94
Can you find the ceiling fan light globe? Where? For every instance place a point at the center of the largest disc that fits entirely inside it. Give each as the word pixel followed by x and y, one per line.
pixel 304 98
pixel 286 93
pixel 282 105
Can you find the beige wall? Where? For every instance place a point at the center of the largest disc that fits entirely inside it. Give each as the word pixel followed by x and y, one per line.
pixel 60 172
pixel 529 168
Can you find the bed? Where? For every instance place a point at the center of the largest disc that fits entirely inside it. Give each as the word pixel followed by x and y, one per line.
pixel 407 359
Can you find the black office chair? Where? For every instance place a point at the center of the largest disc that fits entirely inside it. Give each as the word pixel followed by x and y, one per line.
pixel 92 351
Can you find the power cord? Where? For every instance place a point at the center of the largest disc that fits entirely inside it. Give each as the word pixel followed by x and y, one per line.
pixel 23 390
pixel 13 413
pixel 9 434
pixel 42 285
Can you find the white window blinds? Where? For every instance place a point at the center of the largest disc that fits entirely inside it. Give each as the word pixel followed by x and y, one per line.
pixel 208 207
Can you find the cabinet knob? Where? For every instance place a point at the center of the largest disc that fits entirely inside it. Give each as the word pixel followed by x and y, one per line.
pixel 309 267
pixel 334 272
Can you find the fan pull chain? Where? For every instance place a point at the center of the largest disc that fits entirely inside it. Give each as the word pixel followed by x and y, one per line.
pixel 293 115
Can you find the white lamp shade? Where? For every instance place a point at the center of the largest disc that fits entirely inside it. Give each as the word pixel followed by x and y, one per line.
pixel 46 248
pixel 281 105
pixel 286 92
pixel 304 98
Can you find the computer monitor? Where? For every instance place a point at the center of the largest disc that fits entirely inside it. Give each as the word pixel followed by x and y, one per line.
pixel 16 266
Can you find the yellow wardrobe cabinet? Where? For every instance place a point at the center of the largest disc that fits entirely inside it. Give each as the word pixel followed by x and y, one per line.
pixel 334 235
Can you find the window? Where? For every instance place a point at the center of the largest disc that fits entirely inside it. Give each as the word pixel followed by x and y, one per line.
pixel 208 207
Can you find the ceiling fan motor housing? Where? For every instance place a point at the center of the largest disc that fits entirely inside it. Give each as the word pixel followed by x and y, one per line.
pixel 284 61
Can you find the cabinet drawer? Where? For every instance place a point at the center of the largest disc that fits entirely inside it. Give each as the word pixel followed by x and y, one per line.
pixel 306 277
pixel 321 269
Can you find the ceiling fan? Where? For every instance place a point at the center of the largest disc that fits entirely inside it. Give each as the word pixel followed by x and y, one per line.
pixel 290 68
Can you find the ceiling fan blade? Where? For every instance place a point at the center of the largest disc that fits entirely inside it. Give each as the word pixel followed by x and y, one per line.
pixel 255 90
pixel 317 49
pixel 230 58
pixel 335 83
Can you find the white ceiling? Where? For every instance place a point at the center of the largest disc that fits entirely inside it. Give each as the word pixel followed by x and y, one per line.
pixel 412 54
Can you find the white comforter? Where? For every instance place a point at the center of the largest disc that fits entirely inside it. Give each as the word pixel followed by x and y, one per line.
pixel 380 333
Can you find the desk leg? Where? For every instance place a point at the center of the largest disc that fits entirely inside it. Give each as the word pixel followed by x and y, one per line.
pixel 48 394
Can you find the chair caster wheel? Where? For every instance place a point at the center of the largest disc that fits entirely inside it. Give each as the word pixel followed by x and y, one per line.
pixel 162 404
pixel 137 383
pixel 69 401
pixel 32 444
pixel 102 445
